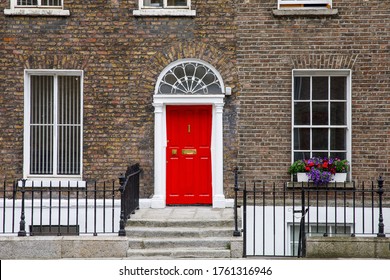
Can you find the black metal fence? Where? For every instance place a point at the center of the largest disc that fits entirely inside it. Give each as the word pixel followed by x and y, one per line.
pixel 277 220
pixel 129 195
pixel 73 208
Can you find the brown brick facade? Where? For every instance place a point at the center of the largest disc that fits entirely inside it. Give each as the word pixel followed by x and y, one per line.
pixel 254 51
pixel 270 47
pixel 122 57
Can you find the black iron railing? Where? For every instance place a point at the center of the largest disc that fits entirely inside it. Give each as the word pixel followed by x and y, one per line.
pixel 71 208
pixel 129 195
pixel 277 219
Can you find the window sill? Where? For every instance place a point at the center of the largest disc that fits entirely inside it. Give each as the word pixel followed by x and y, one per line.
pixel 305 12
pixel 165 12
pixel 55 183
pixel 37 12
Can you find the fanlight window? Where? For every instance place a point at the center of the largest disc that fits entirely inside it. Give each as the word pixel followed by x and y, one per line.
pixel 190 78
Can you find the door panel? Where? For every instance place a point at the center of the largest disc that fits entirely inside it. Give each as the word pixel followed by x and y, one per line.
pixel 188 155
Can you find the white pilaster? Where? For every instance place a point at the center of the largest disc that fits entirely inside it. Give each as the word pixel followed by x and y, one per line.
pixel 219 200
pixel 158 200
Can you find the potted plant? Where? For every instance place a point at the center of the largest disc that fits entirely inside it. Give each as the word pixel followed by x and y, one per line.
pixel 298 168
pixel 320 171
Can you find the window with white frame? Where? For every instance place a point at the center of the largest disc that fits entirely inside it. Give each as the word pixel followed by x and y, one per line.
pixel 164 8
pixel 53 124
pixel 305 4
pixel 38 3
pixel 321 114
pixel 37 7
pixel 166 3
pixel 316 230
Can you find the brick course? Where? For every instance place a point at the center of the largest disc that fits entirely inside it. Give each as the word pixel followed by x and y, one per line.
pixel 270 47
pixel 254 50
pixel 122 57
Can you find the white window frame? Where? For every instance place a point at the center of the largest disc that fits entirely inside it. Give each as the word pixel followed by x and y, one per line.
pixel 165 5
pixel 332 73
pixel 300 4
pixel 26 142
pixel 36 10
pixel 165 10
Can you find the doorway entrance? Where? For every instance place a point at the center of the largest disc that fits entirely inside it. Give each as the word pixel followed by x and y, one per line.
pixel 188 90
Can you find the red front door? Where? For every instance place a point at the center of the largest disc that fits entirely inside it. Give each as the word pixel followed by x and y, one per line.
pixel 188 155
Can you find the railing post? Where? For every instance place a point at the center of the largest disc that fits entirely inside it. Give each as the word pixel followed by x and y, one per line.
pixel 122 231
pixel 236 189
pixel 302 231
pixel 381 226
pixel 244 220
pixel 22 228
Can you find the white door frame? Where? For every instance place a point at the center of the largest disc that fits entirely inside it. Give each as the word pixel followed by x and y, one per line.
pixel 193 96
pixel 160 101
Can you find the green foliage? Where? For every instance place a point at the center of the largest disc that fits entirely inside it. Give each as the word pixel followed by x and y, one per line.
pixel 297 166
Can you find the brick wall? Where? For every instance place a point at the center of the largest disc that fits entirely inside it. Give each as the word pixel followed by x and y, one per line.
pixel 254 50
pixel 122 57
pixel 270 47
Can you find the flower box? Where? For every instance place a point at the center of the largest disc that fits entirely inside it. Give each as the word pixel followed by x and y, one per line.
pixel 338 177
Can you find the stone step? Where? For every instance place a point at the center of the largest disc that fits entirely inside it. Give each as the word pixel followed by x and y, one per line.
pixel 178 232
pixel 180 223
pixel 174 243
pixel 178 253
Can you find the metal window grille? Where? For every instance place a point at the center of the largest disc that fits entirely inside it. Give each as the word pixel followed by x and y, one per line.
pixel 46 3
pixel 55 125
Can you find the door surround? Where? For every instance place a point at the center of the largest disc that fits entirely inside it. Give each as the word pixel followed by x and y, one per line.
pixel 160 101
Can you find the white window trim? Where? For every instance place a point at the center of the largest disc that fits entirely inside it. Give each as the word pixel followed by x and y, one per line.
pixel 292 4
pixel 165 10
pixel 22 10
pixel 26 141
pixel 320 72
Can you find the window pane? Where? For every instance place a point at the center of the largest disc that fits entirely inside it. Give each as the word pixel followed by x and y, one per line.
pixel 320 113
pixel 301 155
pixel 69 120
pixel 68 150
pixel 302 113
pixel 41 124
pixel 341 229
pixel 51 2
pixel 320 88
pixel 316 230
pixel 302 88
pixel 69 100
pixel 27 2
pixel 338 113
pixel 41 100
pixel 320 138
pixel 339 155
pixel 338 88
pixel 153 3
pixel 320 154
pixel 41 149
pixel 338 139
pixel 177 3
pixel 302 138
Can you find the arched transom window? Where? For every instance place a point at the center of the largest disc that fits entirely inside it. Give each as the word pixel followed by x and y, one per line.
pixel 190 77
